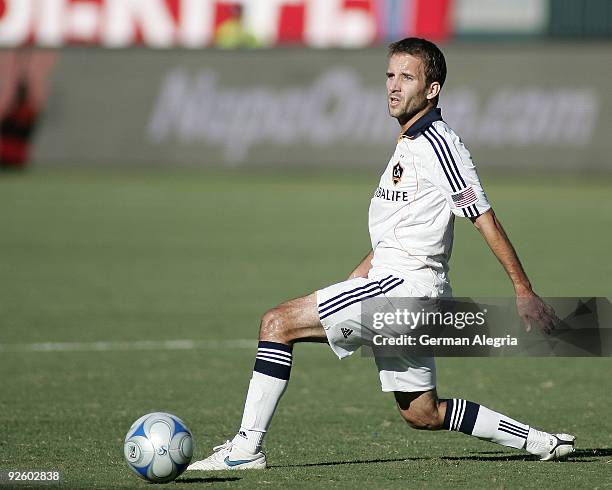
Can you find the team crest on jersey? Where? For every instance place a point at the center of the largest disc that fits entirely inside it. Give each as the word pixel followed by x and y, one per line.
pixel 398 171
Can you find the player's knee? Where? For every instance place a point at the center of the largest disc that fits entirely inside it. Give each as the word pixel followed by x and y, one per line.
pixel 421 420
pixel 273 326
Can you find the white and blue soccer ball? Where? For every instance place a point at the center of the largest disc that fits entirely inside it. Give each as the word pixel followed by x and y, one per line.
pixel 158 447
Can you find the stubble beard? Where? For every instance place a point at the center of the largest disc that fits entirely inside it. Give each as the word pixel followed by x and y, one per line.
pixel 416 105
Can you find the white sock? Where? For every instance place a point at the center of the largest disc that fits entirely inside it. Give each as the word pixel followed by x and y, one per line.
pixel 477 420
pixel 269 381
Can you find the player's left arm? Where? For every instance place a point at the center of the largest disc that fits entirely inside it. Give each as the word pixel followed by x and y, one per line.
pixel 452 171
pixel 531 308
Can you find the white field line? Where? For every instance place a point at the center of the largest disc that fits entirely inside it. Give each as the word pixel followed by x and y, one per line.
pixel 103 346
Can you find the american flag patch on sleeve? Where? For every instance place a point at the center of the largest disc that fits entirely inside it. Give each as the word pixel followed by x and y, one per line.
pixel 465 197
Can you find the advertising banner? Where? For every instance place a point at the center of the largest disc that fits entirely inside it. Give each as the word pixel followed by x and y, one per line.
pixel 202 23
pixel 513 106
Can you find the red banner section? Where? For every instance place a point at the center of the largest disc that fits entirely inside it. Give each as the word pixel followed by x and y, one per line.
pixel 203 23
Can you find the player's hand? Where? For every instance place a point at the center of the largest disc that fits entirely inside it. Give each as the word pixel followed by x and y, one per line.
pixel 533 310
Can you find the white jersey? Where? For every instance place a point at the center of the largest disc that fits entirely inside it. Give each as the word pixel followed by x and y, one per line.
pixel 429 179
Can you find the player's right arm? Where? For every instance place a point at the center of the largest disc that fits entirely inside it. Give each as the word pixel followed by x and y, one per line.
pixel 364 267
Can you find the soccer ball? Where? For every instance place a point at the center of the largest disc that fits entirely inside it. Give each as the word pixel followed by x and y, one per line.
pixel 158 447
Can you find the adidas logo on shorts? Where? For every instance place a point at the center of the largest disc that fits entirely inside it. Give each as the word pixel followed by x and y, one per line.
pixel 346 332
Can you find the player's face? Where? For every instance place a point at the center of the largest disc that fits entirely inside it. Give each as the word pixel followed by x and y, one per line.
pixel 407 91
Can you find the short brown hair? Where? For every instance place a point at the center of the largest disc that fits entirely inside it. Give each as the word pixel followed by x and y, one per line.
pixel 431 56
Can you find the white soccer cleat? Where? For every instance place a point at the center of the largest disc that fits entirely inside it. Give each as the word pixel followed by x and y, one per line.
pixel 550 447
pixel 560 447
pixel 228 457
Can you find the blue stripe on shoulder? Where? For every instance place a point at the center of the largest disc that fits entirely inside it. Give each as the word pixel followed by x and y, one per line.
pixel 452 181
pixel 449 154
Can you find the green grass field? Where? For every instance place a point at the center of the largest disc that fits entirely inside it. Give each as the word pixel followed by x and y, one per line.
pixel 121 256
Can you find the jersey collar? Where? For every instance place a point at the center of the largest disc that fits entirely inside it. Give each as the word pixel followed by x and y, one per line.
pixel 423 123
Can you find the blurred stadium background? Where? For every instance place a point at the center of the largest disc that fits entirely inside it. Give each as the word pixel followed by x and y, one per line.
pixel 156 82
pixel 173 168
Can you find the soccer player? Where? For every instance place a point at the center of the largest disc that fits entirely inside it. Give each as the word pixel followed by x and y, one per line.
pixel 429 180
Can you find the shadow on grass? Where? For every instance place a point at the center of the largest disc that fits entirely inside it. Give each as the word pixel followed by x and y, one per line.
pixel 358 461
pixel 205 480
pixel 493 456
pixel 577 457
pixel 597 453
